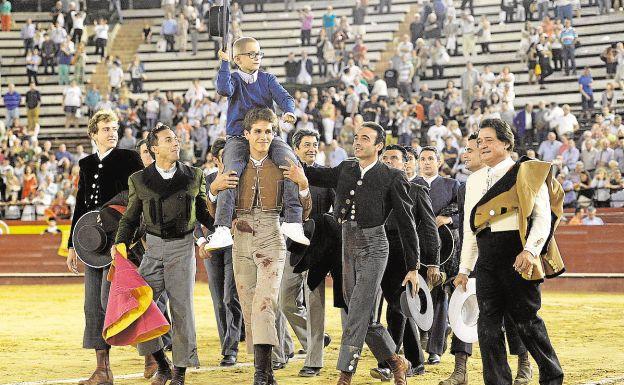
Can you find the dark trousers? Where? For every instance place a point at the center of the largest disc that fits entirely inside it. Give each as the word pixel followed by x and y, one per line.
pixel 77 36
pixel 32 76
pixel 322 64
pixel 48 62
pixel 170 42
pixel 96 299
pixel 227 308
pixel 500 290
pixel 485 47
pixel 28 45
pixel 557 59
pixel 437 333
pixel 516 347
pixel 470 5
pixel 137 85
pixel 305 37
pixel 438 71
pixel 403 330
pixel 100 45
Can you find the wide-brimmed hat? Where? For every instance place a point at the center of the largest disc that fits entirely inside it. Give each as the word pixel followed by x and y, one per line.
pixel 463 312
pixel 420 306
pixel 447 244
pixel 91 242
pixel 296 249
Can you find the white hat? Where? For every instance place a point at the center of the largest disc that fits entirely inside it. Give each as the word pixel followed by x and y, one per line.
pixel 463 312
pixel 419 307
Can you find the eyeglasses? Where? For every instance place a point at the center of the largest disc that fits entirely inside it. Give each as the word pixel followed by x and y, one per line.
pixel 252 55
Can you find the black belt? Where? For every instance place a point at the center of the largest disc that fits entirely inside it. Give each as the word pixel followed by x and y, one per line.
pixel 174 236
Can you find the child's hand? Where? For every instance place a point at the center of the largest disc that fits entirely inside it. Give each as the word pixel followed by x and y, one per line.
pixel 224 56
pixel 289 117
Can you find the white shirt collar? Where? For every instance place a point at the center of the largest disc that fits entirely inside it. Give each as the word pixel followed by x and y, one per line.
pixel 364 170
pixel 258 163
pixel 102 156
pixel 430 180
pixel 167 174
pixel 248 78
pixel 502 167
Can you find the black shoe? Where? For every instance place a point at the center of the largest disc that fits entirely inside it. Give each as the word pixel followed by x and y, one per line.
pixel 308 371
pixel 417 371
pixel 383 374
pixel 301 351
pixel 434 359
pixel 289 356
pixel 228 360
pixel 326 340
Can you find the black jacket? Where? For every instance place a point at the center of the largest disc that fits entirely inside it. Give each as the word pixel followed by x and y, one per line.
pixel 100 181
pixel 382 190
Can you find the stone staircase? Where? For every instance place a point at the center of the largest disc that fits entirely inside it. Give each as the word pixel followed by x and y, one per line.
pixel 125 41
pixel 388 53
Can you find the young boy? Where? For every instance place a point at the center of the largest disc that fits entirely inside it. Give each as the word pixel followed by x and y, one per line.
pixel 249 88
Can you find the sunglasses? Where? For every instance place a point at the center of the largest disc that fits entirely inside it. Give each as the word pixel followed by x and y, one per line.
pixel 252 55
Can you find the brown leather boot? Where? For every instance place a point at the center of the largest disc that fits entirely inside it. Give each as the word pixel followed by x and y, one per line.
pixel 525 371
pixel 162 375
pixel 399 366
pixel 459 375
pixel 102 374
pixel 345 378
pixel 151 366
pixel 178 376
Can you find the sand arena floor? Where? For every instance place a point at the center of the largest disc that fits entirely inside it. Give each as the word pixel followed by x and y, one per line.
pixel 41 337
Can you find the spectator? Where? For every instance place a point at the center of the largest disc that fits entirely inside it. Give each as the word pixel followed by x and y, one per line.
pixel 115 77
pixel 432 28
pixel 92 99
pixel 78 19
pixel 72 100
pixel 387 4
pixel 405 72
pixel 549 149
pixel 56 11
pixel 127 141
pixel 5 15
pixel 568 39
pixel 571 155
pixel 325 54
pixel 600 184
pixel 592 219
pixel 195 92
pixel 137 73
pixel 169 30
pixel 101 36
pixel 48 53
pixel 567 123
pixel 586 88
pixel 485 34
pixel 291 68
pixel 33 102
pixel 329 22
pixel 405 47
pixel 605 153
pixel 33 60
pixel 359 52
pixel 304 69
pixel 469 79
pixel 417 29
pixel 64 58
pixel 524 122
pixel 359 17
pixel 508 8
pixel 307 18
pixel 27 33
pixel 12 101
pixel 80 61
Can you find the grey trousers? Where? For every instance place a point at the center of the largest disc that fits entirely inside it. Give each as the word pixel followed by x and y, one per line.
pixel 169 266
pixel 96 298
pixel 364 258
pixel 227 308
pixel 308 322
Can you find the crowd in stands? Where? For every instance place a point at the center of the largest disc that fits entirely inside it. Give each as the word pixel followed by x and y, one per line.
pixel 586 150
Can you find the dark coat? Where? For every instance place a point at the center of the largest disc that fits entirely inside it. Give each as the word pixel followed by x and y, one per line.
pixel 100 181
pixel 380 191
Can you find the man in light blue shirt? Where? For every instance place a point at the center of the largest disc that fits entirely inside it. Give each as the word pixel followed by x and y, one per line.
pixel 27 34
pixel 549 149
pixel 571 155
pixel 591 219
pixel 169 30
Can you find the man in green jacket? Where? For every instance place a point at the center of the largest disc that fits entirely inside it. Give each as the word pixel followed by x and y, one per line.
pixel 172 198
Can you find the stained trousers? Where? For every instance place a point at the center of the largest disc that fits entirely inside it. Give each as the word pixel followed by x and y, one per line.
pixel 364 258
pixel 258 257
pixel 500 290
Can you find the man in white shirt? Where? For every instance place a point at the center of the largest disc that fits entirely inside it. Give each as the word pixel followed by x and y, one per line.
pixel 501 286
pixel 566 123
pixel 115 77
pixel 437 133
pixel 591 219
pixel 72 100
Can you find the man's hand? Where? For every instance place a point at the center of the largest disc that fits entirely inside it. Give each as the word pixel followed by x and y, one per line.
pixel 113 250
pixel 412 276
pixel 524 262
pixel 295 173
pixel 433 275
pixel 289 118
pixel 203 252
pixel 223 181
pixel 72 261
pixel 461 280
pixel 224 56
pixel 442 220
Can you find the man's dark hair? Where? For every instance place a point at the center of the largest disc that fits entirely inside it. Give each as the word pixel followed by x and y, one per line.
pixel 141 142
pixel 473 136
pixel 502 129
pixel 432 149
pixel 217 146
pixel 152 139
pixel 411 150
pixel 381 133
pixel 260 114
pixel 302 133
pixel 398 148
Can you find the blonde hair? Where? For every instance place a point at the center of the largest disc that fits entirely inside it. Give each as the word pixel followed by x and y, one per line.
pixel 101 116
pixel 239 44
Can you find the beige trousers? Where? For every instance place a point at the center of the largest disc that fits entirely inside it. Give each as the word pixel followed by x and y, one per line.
pixel 258 257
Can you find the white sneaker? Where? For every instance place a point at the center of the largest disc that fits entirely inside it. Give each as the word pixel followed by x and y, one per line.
pixel 220 239
pixel 294 231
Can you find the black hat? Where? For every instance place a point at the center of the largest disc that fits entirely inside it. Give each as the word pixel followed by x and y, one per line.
pixel 297 250
pixel 91 242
